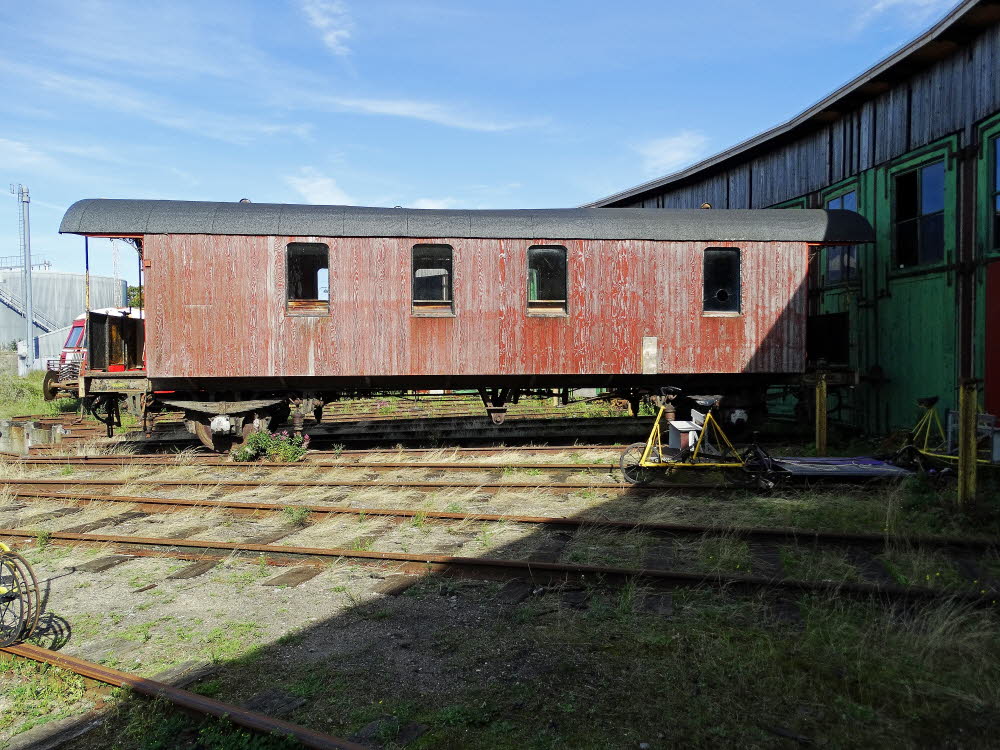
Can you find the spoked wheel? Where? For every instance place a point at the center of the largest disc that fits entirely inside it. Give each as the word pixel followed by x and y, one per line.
pixel 19 598
pixel 631 470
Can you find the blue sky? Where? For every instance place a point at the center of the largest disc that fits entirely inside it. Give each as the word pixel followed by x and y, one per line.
pixel 391 102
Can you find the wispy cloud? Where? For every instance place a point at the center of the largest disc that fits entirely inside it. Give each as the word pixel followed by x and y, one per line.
pixel 906 12
pixel 17 155
pixel 114 97
pixel 435 203
pixel 317 188
pixel 670 153
pixel 427 111
pixel 332 19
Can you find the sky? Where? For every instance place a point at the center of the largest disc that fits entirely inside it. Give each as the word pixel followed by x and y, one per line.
pixel 414 103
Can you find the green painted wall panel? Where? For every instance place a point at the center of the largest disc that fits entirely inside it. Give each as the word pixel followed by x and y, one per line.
pixel 918 348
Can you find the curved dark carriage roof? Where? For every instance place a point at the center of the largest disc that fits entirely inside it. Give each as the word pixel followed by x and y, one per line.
pixel 106 216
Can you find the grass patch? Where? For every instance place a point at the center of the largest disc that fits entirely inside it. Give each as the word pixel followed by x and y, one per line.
pixel 296 516
pixel 142 724
pixel 21 396
pixel 34 694
pixel 274 446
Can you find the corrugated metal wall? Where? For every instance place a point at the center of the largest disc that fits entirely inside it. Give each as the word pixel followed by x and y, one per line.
pixel 50 345
pixel 58 296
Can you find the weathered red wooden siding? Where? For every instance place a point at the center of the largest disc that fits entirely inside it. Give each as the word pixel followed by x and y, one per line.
pixel 216 308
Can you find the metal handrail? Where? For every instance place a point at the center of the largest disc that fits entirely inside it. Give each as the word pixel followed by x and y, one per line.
pixel 17 305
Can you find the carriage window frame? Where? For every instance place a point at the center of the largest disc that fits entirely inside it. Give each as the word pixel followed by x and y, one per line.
pixel 707 294
pixel 546 308
pixel 432 308
pixel 303 305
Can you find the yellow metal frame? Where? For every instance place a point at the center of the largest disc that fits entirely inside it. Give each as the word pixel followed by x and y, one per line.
pixel 923 431
pixel 692 461
pixel 4 589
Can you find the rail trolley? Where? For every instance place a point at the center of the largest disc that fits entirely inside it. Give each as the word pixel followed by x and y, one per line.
pixel 698 444
pixel 933 444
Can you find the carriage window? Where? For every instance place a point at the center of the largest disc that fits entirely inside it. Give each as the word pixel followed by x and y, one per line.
pixel 919 216
pixel 308 277
pixel 547 280
pixel 432 279
pixel 722 280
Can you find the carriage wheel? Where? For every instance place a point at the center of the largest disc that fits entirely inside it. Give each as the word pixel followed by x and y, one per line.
pixel 629 464
pixel 50 385
pixel 19 598
pixel 221 443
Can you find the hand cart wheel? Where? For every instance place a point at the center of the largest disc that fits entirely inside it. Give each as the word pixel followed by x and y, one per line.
pixel 629 464
pixel 19 598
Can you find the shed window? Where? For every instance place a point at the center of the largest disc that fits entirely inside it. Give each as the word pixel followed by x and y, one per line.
pixel 432 279
pixel 842 261
pixel 722 280
pixel 995 193
pixel 308 267
pixel 919 216
pixel 547 282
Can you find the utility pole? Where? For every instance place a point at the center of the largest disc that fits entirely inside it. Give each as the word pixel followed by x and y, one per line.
pixel 24 226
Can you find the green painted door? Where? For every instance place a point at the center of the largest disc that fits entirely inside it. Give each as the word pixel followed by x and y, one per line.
pixel 987 341
pixel 916 320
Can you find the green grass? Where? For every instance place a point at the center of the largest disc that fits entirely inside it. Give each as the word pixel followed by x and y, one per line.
pixel 34 694
pixel 23 396
pixel 143 724
pixel 856 674
pixel 296 516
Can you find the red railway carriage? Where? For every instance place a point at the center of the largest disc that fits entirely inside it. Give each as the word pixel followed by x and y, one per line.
pixel 253 310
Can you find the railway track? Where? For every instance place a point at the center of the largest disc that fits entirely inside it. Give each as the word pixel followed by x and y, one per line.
pixel 215 462
pixel 537 571
pixel 543 564
pixel 371 428
pixel 183 699
pixel 313 456
pixel 795 535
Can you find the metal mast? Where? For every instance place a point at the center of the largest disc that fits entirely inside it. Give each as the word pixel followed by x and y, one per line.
pixel 24 231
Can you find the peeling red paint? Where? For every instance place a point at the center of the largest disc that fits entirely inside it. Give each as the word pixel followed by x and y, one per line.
pixel 216 308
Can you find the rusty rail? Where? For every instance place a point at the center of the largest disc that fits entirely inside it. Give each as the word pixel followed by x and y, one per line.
pixel 184 698
pixel 789 534
pixel 619 486
pixel 371 465
pixel 549 571
pixel 480 450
